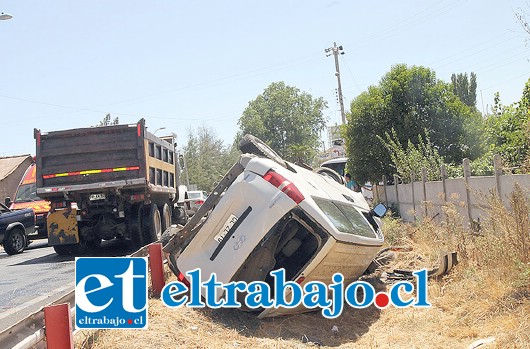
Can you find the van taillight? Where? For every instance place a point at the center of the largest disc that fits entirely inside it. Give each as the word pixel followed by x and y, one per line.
pixel 284 185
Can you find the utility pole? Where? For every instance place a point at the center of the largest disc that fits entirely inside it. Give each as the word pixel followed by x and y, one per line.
pixel 335 50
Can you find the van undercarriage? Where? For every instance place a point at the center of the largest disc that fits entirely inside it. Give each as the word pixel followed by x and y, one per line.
pixel 291 244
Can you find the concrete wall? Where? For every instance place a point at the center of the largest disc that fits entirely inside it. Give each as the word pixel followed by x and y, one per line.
pixel 422 199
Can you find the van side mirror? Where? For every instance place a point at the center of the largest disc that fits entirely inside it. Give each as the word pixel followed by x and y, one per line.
pixel 7 201
pixel 379 210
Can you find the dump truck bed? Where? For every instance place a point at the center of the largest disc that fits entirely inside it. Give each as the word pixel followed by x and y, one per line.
pixel 100 157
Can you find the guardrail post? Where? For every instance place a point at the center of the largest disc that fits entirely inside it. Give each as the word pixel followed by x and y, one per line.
pixel 58 325
pixel 156 265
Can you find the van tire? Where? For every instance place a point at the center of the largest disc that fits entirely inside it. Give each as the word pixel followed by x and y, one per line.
pixel 15 242
pixel 253 145
pixel 152 224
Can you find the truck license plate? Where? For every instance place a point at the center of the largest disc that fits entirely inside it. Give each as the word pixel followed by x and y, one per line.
pixel 94 197
pixel 226 228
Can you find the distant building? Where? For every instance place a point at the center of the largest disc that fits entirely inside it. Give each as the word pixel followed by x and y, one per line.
pixel 335 147
pixel 12 169
pixel 334 136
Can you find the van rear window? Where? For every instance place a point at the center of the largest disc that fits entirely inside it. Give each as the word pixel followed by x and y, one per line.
pixel 345 218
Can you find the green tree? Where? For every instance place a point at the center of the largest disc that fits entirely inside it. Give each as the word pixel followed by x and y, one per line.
pixel 207 158
pixel 413 158
pixel 507 130
pixel 288 120
pixel 465 88
pixel 108 122
pixel 413 102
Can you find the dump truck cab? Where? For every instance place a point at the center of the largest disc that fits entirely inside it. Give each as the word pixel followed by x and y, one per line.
pixel 26 197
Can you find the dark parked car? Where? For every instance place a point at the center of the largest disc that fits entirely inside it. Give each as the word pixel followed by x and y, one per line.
pixel 15 226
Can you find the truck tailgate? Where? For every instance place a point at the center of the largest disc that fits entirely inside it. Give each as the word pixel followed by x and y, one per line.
pixel 90 155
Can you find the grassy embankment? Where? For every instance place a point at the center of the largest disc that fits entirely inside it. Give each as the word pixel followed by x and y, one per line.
pixel 486 295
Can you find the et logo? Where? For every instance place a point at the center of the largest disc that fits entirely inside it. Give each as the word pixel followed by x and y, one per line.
pixel 111 292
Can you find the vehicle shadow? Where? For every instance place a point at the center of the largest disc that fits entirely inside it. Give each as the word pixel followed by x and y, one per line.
pixel 112 248
pixel 51 258
pixel 307 328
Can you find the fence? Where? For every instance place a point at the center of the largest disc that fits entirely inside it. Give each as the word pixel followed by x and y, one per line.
pixel 426 199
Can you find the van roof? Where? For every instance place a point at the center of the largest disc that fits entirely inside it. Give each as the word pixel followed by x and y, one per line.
pixel 335 161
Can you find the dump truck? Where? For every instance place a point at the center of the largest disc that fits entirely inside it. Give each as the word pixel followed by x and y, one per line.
pixel 108 182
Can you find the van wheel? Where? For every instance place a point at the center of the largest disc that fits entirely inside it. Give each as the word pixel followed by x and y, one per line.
pixel 152 224
pixel 324 171
pixel 134 225
pixel 253 145
pixel 166 217
pixel 16 241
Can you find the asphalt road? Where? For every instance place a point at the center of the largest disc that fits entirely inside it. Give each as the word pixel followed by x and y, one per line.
pixel 38 276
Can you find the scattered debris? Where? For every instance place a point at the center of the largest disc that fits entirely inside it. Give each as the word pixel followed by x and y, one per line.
pixel 446 262
pixel 481 342
pixel 311 340
pixel 335 330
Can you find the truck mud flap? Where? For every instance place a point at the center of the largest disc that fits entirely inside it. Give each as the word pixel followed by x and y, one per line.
pixel 62 227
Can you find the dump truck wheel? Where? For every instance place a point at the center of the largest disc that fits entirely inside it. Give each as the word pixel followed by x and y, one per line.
pixel 166 217
pixel 152 224
pixel 15 242
pixel 330 173
pixel 253 145
pixel 134 225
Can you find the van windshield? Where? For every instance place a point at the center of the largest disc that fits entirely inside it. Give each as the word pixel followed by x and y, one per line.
pixel 338 167
pixel 345 218
pixel 26 193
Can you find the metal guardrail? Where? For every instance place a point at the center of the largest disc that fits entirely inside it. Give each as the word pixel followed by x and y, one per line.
pixel 31 331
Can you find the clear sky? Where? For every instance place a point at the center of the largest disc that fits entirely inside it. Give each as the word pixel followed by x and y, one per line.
pixel 180 65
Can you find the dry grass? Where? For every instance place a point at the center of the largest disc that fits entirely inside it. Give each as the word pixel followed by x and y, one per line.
pixel 486 295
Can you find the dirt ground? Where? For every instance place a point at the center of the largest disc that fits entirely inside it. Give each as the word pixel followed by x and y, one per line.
pixel 483 302
pixel 460 316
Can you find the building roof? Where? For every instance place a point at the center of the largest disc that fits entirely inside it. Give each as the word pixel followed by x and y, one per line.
pixel 10 163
